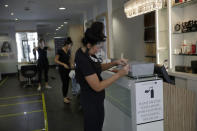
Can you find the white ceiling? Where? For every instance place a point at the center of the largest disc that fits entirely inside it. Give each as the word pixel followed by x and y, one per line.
pixel 45 12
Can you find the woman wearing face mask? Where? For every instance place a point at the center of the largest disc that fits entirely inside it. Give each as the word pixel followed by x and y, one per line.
pixel 88 74
pixel 63 59
pixel 43 63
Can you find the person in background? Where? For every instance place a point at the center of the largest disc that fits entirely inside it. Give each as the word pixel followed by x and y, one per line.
pixel 63 58
pixel 43 63
pixel 88 74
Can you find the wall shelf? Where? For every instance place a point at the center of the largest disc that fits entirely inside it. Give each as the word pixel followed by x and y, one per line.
pixel 186 54
pixel 150 41
pixel 185 32
pixel 149 27
pixel 150 56
pixel 184 4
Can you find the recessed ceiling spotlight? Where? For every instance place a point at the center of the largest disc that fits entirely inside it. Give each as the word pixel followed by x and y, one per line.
pixel 62 8
pixel 65 22
pixel 62 25
pixel 12 13
pixel 59 27
pixel 16 19
pixel 6 6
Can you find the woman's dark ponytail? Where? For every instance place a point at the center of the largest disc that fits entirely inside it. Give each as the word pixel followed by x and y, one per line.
pixel 68 41
pixel 94 34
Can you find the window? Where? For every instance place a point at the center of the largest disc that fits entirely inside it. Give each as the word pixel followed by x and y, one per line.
pixel 26 42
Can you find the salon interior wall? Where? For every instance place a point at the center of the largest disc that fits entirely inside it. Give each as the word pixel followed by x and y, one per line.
pixel 102 7
pixel 75 31
pixel 128 34
pixel 49 39
pixel 8 63
pixel 98 9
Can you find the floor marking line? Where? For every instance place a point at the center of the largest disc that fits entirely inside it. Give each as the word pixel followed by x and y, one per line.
pixel 3 81
pixel 20 103
pixel 45 112
pixel 20 114
pixel 12 97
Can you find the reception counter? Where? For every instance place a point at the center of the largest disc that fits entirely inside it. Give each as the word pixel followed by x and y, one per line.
pixel 185 80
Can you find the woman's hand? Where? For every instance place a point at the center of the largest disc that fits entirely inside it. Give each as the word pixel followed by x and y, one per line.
pixel 124 71
pixel 66 66
pixel 121 62
pixel 72 66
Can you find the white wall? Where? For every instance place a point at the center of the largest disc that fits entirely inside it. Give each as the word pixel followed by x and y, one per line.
pixel 8 64
pixel 50 54
pixel 25 26
pixel 99 8
pixel 128 34
pixel 76 34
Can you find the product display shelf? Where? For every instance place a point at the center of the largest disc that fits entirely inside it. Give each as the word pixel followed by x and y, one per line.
pixel 184 4
pixel 186 54
pixel 183 12
pixel 184 33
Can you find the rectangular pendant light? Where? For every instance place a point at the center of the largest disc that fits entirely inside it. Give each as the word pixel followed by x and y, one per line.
pixel 139 7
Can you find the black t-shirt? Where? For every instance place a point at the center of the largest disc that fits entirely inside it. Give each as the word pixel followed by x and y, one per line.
pixel 42 57
pixel 64 57
pixel 85 66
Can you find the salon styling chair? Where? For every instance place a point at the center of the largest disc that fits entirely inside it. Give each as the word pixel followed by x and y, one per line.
pixel 28 71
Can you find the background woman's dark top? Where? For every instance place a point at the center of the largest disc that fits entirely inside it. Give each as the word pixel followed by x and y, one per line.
pixel 64 73
pixel 42 58
pixel 64 57
pixel 86 66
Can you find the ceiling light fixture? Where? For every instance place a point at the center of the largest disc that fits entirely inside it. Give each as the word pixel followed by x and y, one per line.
pixel 65 22
pixel 12 13
pixel 57 29
pixel 138 7
pixel 62 8
pixel 62 25
pixel 16 19
pixel 6 6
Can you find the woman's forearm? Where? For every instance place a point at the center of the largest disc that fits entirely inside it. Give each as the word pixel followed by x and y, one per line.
pixel 98 85
pixel 108 65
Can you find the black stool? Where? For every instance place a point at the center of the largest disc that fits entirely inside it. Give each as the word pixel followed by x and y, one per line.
pixel 28 71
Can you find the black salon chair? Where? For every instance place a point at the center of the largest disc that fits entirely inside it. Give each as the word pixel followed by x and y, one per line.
pixel 28 71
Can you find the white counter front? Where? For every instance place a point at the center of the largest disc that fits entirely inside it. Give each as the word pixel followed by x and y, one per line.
pixel 133 105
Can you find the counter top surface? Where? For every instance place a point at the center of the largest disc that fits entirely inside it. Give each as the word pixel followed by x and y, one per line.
pixel 189 76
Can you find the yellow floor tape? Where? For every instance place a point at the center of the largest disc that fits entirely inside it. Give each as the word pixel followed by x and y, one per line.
pixel 39 130
pixel 13 97
pixel 20 103
pixel 45 112
pixel 20 114
pixel 3 81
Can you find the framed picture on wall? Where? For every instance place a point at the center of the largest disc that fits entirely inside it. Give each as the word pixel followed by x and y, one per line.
pixel 5 44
